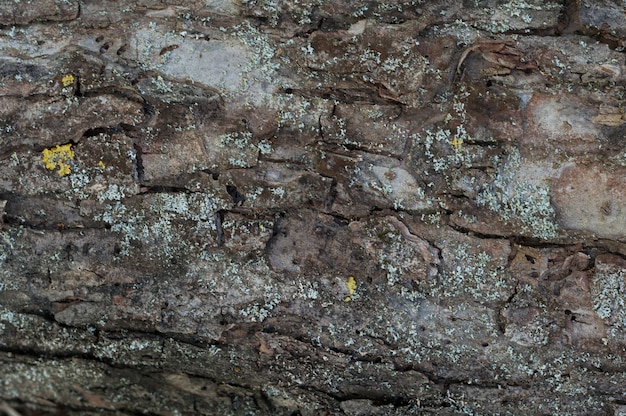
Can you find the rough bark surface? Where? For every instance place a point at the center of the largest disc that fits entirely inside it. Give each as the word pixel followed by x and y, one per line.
pixel 312 207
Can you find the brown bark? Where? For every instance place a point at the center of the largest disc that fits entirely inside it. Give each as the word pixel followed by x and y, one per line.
pixel 312 207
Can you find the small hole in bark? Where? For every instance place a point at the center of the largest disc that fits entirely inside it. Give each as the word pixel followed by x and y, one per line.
pixel 214 175
pixel 99 38
pixel 105 47
pixel 288 90
pixel 485 344
pixel 606 208
pixel 121 49
pixel 488 83
pixel 531 259
pixel 236 196
pixel 568 312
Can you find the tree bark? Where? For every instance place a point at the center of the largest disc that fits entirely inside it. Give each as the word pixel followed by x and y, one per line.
pixel 312 207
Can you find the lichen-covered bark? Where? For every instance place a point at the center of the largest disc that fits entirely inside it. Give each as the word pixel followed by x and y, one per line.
pixel 312 207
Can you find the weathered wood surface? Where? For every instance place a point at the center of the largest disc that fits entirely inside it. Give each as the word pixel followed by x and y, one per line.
pixel 312 207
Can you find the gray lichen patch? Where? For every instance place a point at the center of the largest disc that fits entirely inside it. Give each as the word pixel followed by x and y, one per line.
pixel 237 61
pixel 472 269
pixel 520 195
pixel 608 286
pixel 171 224
pixel 522 15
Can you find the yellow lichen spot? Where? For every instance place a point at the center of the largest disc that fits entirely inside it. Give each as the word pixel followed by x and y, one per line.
pixel 351 285
pixel 58 157
pixel 457 143
pixel 101 165
pixel 67 80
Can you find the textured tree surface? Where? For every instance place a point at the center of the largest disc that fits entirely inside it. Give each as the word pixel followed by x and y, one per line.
pixel 312 207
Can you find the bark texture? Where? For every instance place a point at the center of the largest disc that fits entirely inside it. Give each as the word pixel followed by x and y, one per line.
pixel 312 207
